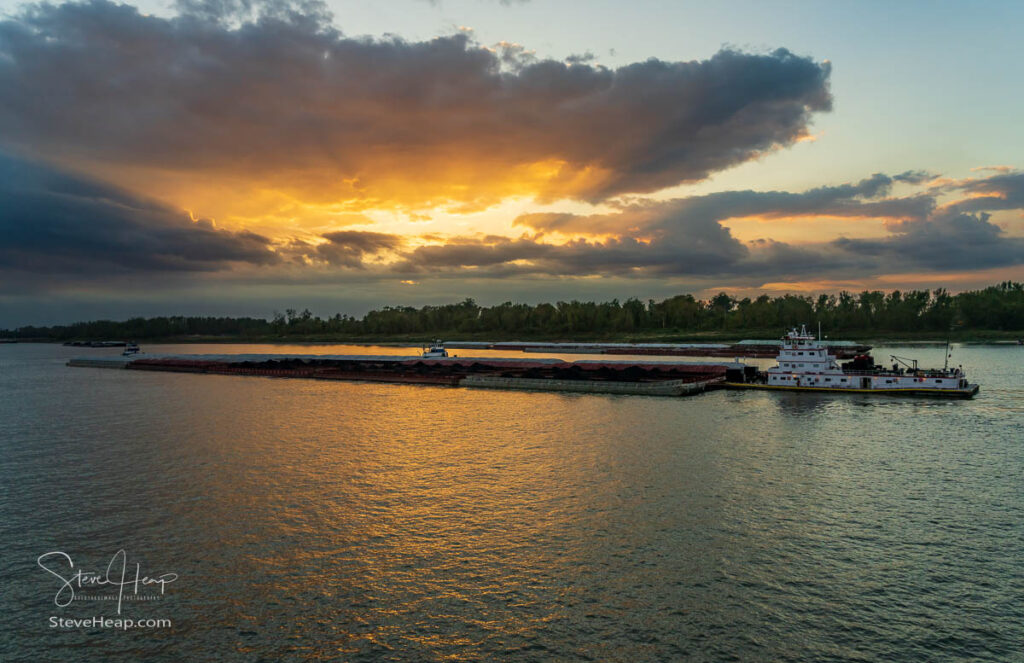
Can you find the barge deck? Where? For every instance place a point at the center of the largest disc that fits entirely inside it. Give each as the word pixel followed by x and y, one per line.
pixel 763 349
pixel 654 378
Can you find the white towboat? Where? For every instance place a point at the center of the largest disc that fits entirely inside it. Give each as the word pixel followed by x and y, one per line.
pixel 435 351
pixel 804 364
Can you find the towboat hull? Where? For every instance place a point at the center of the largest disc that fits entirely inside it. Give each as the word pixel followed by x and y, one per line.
pixel 966 392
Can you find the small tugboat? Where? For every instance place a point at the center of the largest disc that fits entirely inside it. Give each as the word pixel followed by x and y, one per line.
pixel 435 351
pixel 130 348
pixel 803 364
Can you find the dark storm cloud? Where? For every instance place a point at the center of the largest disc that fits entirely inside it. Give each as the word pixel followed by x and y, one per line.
pixel 362 241
pixel 58 223
pixel 998 192
pixel 914 176
pixel 273 91
pixel 348 248
pixel 506 257
pixel 943 243
pixel 772 259
pixel 702 214
pixel 234 12
pixel 947 241
pixel 686 236
pixel 470 252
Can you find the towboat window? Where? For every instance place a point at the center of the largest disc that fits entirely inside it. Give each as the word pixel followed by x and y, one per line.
pixel 938 380
pixel 828 379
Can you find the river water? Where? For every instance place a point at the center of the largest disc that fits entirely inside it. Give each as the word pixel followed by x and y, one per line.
pixel 294 520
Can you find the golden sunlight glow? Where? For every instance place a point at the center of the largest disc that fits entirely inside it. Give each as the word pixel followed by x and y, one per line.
pixel 809 137
pixel 473 199
pixel 800 229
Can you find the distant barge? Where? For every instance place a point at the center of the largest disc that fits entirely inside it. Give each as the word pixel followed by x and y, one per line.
pixel 751 348
pixel 97 344
pixel 762 349
pixel 617 377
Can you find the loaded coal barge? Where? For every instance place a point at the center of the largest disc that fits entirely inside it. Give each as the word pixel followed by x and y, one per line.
pixel 617 377
pixel 762 349
pixel 804 364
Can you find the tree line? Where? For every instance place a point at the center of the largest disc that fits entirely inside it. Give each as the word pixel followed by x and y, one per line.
pixel 998 307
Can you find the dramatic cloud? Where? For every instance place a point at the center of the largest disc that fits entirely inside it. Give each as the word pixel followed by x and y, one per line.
pixel 349 248
pixel 684 216
pixel 914 176
pixel 286 102
pixel 687 236
pixel 299 129
pixel 998 192
pixel 946 241
pixel 57 223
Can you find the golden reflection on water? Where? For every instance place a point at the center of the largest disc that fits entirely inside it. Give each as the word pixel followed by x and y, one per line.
pixel 437 499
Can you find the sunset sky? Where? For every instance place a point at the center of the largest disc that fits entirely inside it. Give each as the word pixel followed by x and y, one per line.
pixel 229 157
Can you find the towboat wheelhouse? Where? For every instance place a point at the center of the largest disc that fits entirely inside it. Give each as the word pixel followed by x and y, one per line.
pixel 804 363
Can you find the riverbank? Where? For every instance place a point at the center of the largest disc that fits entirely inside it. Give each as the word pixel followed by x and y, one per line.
pixel 982 336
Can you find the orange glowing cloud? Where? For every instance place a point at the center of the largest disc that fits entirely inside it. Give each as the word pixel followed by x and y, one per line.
pixel 807 228
pixel 274 116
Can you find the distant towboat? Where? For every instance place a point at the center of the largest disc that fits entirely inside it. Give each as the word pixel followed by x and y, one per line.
pixel 435 351
pixel 804 364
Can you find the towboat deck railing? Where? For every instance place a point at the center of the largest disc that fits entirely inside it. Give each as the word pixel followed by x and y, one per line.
pixel 886 373
pixel 908 374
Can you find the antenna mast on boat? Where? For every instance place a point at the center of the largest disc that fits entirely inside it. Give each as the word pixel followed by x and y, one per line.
pixel 945 366
pixel 819 331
